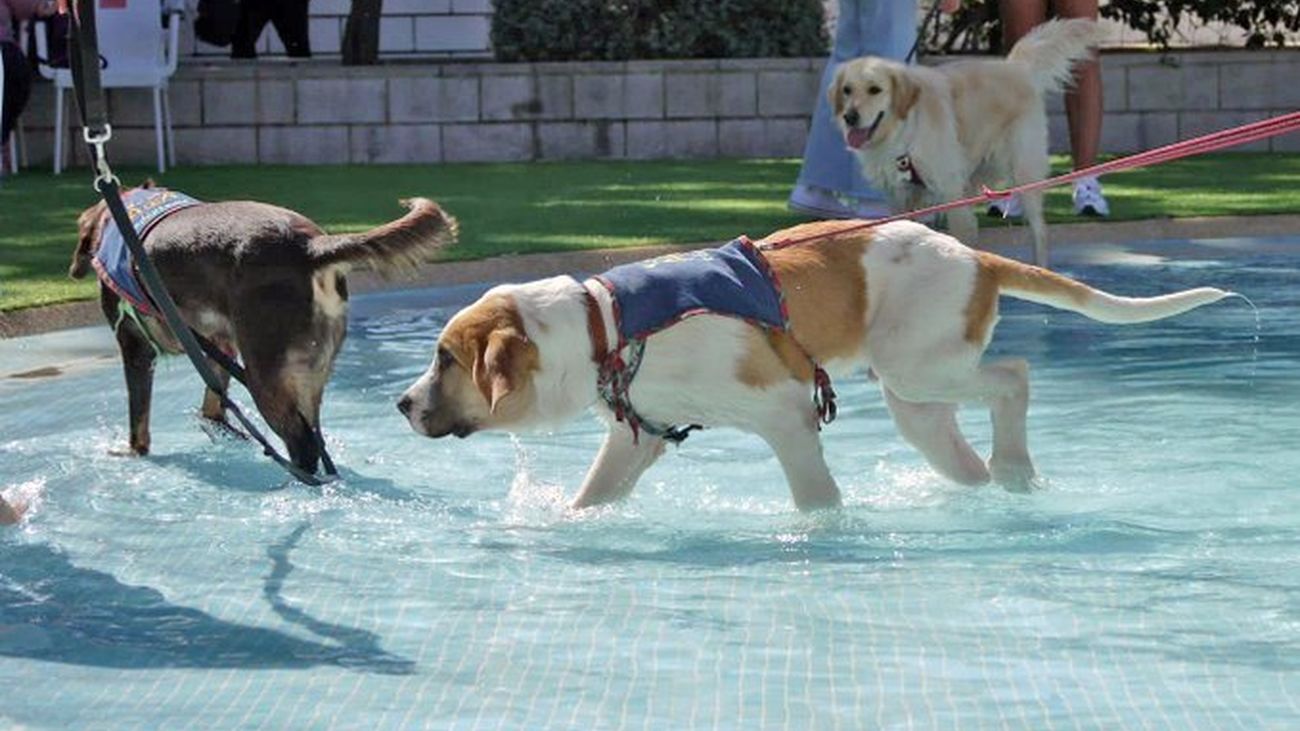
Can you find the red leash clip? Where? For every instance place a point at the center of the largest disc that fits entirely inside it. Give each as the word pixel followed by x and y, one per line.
pixel 823 396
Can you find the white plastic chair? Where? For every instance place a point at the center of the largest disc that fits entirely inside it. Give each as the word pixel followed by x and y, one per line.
pixel 17 147
pixel 139 53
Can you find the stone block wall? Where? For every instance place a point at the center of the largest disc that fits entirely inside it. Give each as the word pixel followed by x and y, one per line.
pixel 317 112
pixel 1151 100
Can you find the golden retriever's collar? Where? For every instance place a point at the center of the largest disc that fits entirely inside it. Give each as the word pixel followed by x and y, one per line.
pixel 907 171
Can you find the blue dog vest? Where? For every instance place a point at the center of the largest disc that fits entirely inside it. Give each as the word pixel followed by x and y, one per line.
pixel 147 207
pixel 733 280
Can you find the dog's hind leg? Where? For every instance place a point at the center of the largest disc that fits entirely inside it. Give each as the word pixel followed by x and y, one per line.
pixel 932 428
pixel 1033 205
pixel 619 464
pixel 1005 385
pixel 1030 164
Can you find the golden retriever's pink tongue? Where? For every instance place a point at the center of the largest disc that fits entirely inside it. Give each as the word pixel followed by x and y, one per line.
pixel 858 137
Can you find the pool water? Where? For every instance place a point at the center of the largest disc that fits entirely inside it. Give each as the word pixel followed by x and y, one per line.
pixel 1152 583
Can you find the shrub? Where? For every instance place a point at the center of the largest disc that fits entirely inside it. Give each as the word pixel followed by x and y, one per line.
pixel 1264 21
pixel 615 30
pixel 975 27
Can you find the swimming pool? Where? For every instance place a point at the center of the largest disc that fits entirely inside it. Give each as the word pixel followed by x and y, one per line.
pixel 1152 584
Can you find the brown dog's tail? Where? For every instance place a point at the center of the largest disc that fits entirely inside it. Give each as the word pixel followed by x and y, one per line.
pixel 1027 282
pixel 395 247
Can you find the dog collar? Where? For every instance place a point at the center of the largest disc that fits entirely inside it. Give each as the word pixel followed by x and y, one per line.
pixel 595 324
pixel 907 171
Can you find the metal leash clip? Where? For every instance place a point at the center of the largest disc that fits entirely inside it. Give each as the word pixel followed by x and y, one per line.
pixel 97 141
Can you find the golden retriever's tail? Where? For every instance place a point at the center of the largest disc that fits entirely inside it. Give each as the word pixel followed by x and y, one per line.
pixel 1050 51
pixel 394 247
pixel 1035 284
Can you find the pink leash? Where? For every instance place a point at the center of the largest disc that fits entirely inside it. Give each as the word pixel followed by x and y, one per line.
pixel 1186 148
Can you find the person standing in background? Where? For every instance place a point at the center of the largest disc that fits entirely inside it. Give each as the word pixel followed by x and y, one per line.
pixel 1083 108
pixel 17 72
pixel 289 18
pixel 830 183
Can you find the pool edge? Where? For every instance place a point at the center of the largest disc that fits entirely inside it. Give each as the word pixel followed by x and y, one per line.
pixel 520 267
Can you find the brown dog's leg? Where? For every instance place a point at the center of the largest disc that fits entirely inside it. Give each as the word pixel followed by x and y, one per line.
pixel 137 361
pixel 212 409
pixel 137 364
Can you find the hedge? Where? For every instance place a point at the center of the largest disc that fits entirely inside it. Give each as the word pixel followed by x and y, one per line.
pixel 616 30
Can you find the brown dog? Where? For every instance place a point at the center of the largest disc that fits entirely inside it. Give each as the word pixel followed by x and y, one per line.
pixel 266 284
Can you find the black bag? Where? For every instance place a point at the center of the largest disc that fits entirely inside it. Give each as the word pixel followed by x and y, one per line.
pixel 55 28
pixel 216 21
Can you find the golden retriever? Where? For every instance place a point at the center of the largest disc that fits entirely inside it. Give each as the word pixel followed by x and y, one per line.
pixel 933 135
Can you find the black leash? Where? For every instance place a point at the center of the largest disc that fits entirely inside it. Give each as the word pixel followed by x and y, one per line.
pixel 920 34
pixel 83 59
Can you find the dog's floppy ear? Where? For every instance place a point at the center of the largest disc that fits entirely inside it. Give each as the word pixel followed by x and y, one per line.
pixel 88 229
pixel 835 94
pixel 903 92
pixel 501 365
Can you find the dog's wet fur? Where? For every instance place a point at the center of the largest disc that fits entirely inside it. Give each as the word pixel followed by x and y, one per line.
pixel 266 284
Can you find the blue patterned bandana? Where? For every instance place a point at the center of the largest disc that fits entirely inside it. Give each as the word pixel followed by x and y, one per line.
pixel 146 207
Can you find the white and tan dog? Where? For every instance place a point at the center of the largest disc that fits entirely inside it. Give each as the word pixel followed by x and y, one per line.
pixel 933 135
pixel 915 306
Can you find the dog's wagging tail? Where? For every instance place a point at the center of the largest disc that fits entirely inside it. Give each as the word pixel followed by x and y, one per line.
pixel 393 248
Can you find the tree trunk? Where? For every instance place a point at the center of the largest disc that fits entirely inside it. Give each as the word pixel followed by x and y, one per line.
pixel 361 35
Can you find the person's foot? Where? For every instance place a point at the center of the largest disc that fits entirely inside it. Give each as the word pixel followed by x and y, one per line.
pixel 818 202
pixel 1088 200
pixel 1006 208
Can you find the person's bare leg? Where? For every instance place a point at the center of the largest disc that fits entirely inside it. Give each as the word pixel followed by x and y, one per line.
pixel 10 514
pixel 1018 18
pixel 1083 100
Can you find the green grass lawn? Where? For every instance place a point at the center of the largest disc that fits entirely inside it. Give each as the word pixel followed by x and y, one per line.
pixel 521 208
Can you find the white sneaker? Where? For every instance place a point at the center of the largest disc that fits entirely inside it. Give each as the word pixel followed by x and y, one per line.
pixel 1088 200
pixel 1006 208
pixel 818 202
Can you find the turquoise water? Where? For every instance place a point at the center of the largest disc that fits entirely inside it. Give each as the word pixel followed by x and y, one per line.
pixel 1152 584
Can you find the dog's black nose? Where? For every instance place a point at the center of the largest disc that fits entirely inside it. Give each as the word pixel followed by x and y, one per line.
pixel 851 118
pixel 404 406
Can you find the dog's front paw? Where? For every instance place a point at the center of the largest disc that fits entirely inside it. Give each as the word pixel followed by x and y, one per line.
pixel 1015 475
